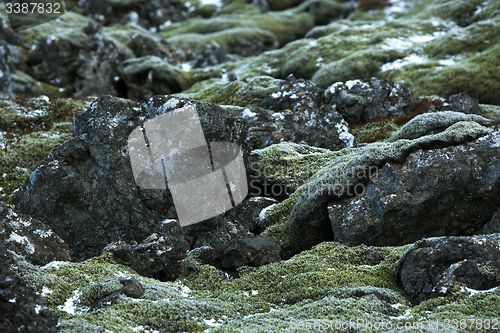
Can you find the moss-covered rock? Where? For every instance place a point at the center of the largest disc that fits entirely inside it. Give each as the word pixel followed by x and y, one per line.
pixel 299 217
pixel 238 93
pixel 244 41
pixel 29 130
pixel 286 26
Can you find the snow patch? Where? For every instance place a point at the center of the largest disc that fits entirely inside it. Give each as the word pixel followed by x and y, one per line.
pixel 247 113
pixel 344 135
pixel 397 64
pixel 212 322
pixel 216 3
pixel 70 306
pixel 28 247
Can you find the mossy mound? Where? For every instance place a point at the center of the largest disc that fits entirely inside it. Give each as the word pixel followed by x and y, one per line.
pixel 328 285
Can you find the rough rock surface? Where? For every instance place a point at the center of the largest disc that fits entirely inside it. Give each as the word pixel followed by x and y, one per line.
pixel 158 256
pixel 296 112
pixel 240 222
pixel 82 188
pixel 447 191
pixel 462 103
pixel 30 238
pixel 238 252
pixel 435 266
pixel 21 309
pixel 362 100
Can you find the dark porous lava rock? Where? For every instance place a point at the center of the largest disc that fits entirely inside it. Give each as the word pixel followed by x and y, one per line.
pixel 85 188
pixel 21 309
pixel 31 238
pixel 296 112
pixel 238 252
pixel 461 103
pixel 256 251
pixel 158 256
pixel 432 267
pixel 361 100
pixel 450 191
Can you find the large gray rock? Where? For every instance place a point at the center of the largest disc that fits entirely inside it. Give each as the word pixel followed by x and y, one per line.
pixel 347 173
pixel 85 189
pixel 432 267
pixel 437 192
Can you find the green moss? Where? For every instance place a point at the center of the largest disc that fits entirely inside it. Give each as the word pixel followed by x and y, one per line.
pixel 21 156
pixel 471 40
pixel 233 7
pixel 330 282
pixel 69 24
pixel 237 93
pixel 477 75
pixel 292 164
pixel 231 40
pixel 451 10
pixel 377 131
pixel 286 26
pixel 220 94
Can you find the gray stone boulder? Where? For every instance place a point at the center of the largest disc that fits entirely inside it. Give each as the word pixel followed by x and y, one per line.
pixel 361 100
pixel 257 251
pixel 434 267
pixel 437 192
pixel 434 122
pixel 30 238
pixel 229 257
pixel 85 189
pixel 462 103
pixel 130 287
pixel 158 256
pixel 345 195
pixel 296 112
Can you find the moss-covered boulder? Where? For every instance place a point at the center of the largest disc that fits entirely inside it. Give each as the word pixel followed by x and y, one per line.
pixel 301 221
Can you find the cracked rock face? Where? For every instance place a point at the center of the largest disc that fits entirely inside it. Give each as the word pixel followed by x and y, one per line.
pixel 158 256
pixel 432 267
pixel 85 189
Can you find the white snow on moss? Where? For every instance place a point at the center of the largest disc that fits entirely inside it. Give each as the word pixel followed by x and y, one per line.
pixel 28 247
pixel 216 3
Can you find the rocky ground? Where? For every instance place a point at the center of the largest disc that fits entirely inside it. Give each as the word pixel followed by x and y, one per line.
pixel 369 131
